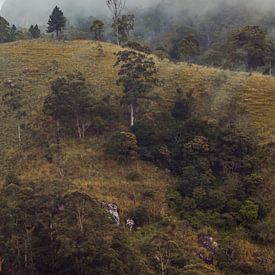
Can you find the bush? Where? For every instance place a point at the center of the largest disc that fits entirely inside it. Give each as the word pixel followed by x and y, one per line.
pixel 140 215
pixel 134 176
pixel 249 212
pixel 123 146
pixel 148 194
pixel 11 179
pixel 264 232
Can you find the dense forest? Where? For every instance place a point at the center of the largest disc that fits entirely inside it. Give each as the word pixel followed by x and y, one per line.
pixel 132 145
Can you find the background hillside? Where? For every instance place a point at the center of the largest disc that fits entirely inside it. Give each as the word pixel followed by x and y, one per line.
pixel 33 65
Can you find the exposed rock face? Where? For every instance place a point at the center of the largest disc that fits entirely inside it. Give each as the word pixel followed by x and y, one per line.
pixel 210 245
pixel 113 210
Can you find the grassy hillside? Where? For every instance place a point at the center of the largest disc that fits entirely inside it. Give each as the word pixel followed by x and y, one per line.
pixel 34 64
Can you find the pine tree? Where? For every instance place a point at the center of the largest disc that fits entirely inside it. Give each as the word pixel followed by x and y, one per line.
pixel 57 21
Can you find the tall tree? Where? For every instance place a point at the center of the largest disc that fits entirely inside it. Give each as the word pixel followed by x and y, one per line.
pixel 57 21
pixel 137 75
pixel 116 7
pixel 125 25
pixel 189 47
pixel 97 29
pixel 248 44
pixel 14 103
pixel 69 103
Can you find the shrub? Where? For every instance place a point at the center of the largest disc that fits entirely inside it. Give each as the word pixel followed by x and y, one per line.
pixel 264 232
pixel 148 194
pixel 249 212
pixel 134 176
pixel 123 146
pixel 140 215
pixel 11 179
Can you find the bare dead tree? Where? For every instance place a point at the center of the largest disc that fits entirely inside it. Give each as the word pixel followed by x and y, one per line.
pixel 116 7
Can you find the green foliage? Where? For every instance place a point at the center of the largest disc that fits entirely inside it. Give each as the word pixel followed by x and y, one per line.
pixel 249 212
pixel 264 232
pixel 123 146
pixel 46 226
pixel 71 99
pixel 250 45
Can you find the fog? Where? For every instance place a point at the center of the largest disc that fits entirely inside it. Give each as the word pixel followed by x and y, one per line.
pixel 25 12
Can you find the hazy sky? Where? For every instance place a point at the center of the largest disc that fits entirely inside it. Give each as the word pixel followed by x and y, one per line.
pixel 25 12
pixel 1 3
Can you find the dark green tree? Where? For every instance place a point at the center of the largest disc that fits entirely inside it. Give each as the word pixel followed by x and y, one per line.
pixel 35 31
pixel 57 21
pixel 98 30
pixel 249 45
pixel 4 30
pixel 69 103
pixel 123 146
pixel 189 47
pixel 138 76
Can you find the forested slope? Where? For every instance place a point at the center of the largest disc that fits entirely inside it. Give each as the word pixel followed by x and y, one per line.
pixel 31 66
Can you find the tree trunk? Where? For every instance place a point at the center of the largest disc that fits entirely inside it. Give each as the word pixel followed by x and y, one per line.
pixel 117 29
pixel 78 127
pixel 58 132
pixel 1 264
pixel 270 68
pixel 80 217
pixel 132 122
pixel 83 129
pixel 19 134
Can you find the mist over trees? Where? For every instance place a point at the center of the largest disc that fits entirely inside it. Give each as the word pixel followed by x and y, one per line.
pixel 170 147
